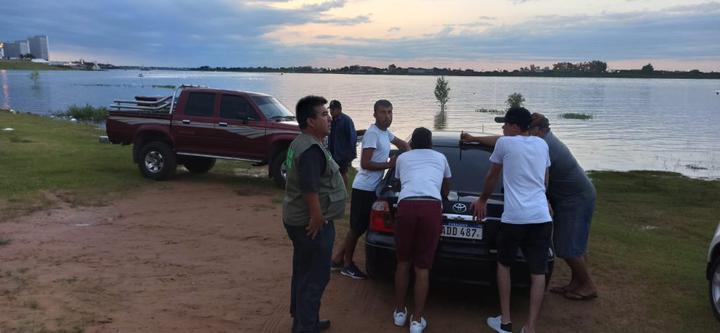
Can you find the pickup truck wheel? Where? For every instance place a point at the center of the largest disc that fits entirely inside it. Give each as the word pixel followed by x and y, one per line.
pixel 157 160
pixel 278 169
pixel 199 164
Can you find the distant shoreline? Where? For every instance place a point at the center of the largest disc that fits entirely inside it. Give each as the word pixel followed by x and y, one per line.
pixel 622 74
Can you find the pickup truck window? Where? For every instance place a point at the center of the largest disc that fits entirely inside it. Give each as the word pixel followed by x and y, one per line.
pixel 236 107
pixel 272 108
pixel 200 104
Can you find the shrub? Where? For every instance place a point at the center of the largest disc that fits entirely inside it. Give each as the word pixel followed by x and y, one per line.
pixel 86 113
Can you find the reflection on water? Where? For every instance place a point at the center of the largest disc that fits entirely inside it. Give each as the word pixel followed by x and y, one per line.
pixel 440 120
pixel 5 100
pixel 637 123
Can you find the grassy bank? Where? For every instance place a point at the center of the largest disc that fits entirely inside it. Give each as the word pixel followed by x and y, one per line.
pixel 26 65
pixel 44 159
pixel 650 238
pixel 647 247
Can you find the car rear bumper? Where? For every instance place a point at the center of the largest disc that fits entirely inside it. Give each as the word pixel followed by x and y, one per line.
pixel 478 266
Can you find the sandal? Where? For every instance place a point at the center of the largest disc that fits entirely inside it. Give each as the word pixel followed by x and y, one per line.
pixel 575 296
pixel 559 290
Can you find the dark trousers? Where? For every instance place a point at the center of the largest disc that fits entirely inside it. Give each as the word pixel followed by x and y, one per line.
pixel 311 273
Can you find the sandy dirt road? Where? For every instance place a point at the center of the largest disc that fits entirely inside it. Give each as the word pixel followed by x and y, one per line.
pixel 198 257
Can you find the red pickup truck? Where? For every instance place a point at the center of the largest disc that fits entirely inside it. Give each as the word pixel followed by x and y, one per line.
pixel 196 125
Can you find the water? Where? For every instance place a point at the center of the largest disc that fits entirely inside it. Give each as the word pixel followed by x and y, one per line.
pixel 646 124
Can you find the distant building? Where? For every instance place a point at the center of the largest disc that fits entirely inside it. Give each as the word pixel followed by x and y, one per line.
pixel 13 50
pixel 2 50
pixel 39 47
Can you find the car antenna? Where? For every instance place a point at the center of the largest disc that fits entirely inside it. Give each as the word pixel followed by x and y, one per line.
pixel 461 143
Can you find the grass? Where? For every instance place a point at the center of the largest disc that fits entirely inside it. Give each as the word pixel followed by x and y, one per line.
pixel 579 116
pixel 86 113
pixel 652 229
pixel 26 65
pixel 45 158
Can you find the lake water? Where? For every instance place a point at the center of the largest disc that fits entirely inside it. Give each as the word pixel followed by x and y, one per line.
pixel 647 124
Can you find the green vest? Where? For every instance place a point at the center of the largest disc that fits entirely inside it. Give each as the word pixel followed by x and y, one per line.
pixel 331 191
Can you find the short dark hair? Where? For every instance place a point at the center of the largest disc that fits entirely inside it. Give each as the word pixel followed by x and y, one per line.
pixel 335 104
pixel 305 109
pixel 421 138
pixel 382 103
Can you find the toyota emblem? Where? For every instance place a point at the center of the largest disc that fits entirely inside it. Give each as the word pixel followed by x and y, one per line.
pixel 459 207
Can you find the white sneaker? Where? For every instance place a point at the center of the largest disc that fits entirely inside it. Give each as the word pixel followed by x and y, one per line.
pixel 496 324
pixel 417 326
pixel 400 317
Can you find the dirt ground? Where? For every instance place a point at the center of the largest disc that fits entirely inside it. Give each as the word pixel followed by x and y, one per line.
pixel 189 256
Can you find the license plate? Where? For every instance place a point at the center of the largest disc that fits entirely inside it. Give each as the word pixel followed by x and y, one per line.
pixel 462 231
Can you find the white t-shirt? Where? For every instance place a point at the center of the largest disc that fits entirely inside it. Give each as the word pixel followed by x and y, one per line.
pixel 421 172
pixel 374 137
pixel 525 160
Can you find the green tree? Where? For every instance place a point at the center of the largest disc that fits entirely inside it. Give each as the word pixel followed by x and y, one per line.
pixel 442 92
pixel 648 68
pixel 515 100
pixel 35 76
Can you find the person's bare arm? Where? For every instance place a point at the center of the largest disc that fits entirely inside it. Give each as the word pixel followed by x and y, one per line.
pixel 483 140
pixel 445 189
pixel 547 182
pixel 317 221
pixel 400 143
pixel 491 180
pixel 367 163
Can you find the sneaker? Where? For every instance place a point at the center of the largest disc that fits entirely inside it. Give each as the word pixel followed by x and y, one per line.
pixel 353 272
pixel 400 317
pixel 496 324
pixel 417 326
pixel 336 266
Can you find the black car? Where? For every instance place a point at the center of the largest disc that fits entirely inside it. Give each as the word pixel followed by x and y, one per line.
pixel 467 251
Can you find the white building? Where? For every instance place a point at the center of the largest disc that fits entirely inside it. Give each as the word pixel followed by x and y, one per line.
pixel 39 47
pixel 2 50
pixel 13 50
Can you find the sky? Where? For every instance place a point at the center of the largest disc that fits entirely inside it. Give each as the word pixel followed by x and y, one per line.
pixel 476 34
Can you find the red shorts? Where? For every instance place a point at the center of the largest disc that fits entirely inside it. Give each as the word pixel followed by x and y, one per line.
pixel 417 233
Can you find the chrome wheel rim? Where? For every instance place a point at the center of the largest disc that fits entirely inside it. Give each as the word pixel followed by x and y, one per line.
pixel 716 288
pixel 283 171
pixel 154 161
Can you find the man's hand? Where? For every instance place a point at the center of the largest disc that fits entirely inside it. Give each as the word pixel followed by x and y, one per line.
pixel 465 137
pixel 316 224
pixel 480 206
pixel 393 159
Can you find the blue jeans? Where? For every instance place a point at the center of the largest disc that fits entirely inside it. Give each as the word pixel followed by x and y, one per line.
pixel 311 274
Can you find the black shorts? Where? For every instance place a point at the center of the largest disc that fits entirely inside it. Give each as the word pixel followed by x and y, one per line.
pixel 534 240
pixel 360 205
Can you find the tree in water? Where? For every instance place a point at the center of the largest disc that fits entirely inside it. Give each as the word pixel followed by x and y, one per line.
pixel 35 76
pixel 442 92
pixel 515 100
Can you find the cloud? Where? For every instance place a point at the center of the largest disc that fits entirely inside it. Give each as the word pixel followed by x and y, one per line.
pixel 215 32
pixel 360 19
pixel 681 32
pixel 393 29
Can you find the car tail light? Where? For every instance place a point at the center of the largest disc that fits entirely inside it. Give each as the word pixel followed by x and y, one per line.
pixel 380 218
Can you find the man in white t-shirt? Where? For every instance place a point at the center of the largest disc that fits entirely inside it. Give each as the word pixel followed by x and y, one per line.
pixel 424 175
pixel 526 223
pixel 374 160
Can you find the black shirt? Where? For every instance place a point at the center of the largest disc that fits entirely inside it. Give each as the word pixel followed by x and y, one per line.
pixel 311 166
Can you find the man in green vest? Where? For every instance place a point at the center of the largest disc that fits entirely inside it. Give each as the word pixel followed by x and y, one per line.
pixel 314 197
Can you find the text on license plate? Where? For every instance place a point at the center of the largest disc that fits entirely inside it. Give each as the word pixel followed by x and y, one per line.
pixel 461 231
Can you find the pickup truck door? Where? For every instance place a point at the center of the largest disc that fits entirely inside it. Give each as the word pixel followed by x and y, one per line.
pixel 193 126
pixel 240 128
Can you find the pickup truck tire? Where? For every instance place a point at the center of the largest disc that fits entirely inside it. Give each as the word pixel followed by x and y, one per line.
pixel 278 170
pixel 199 164
pixel 157 160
